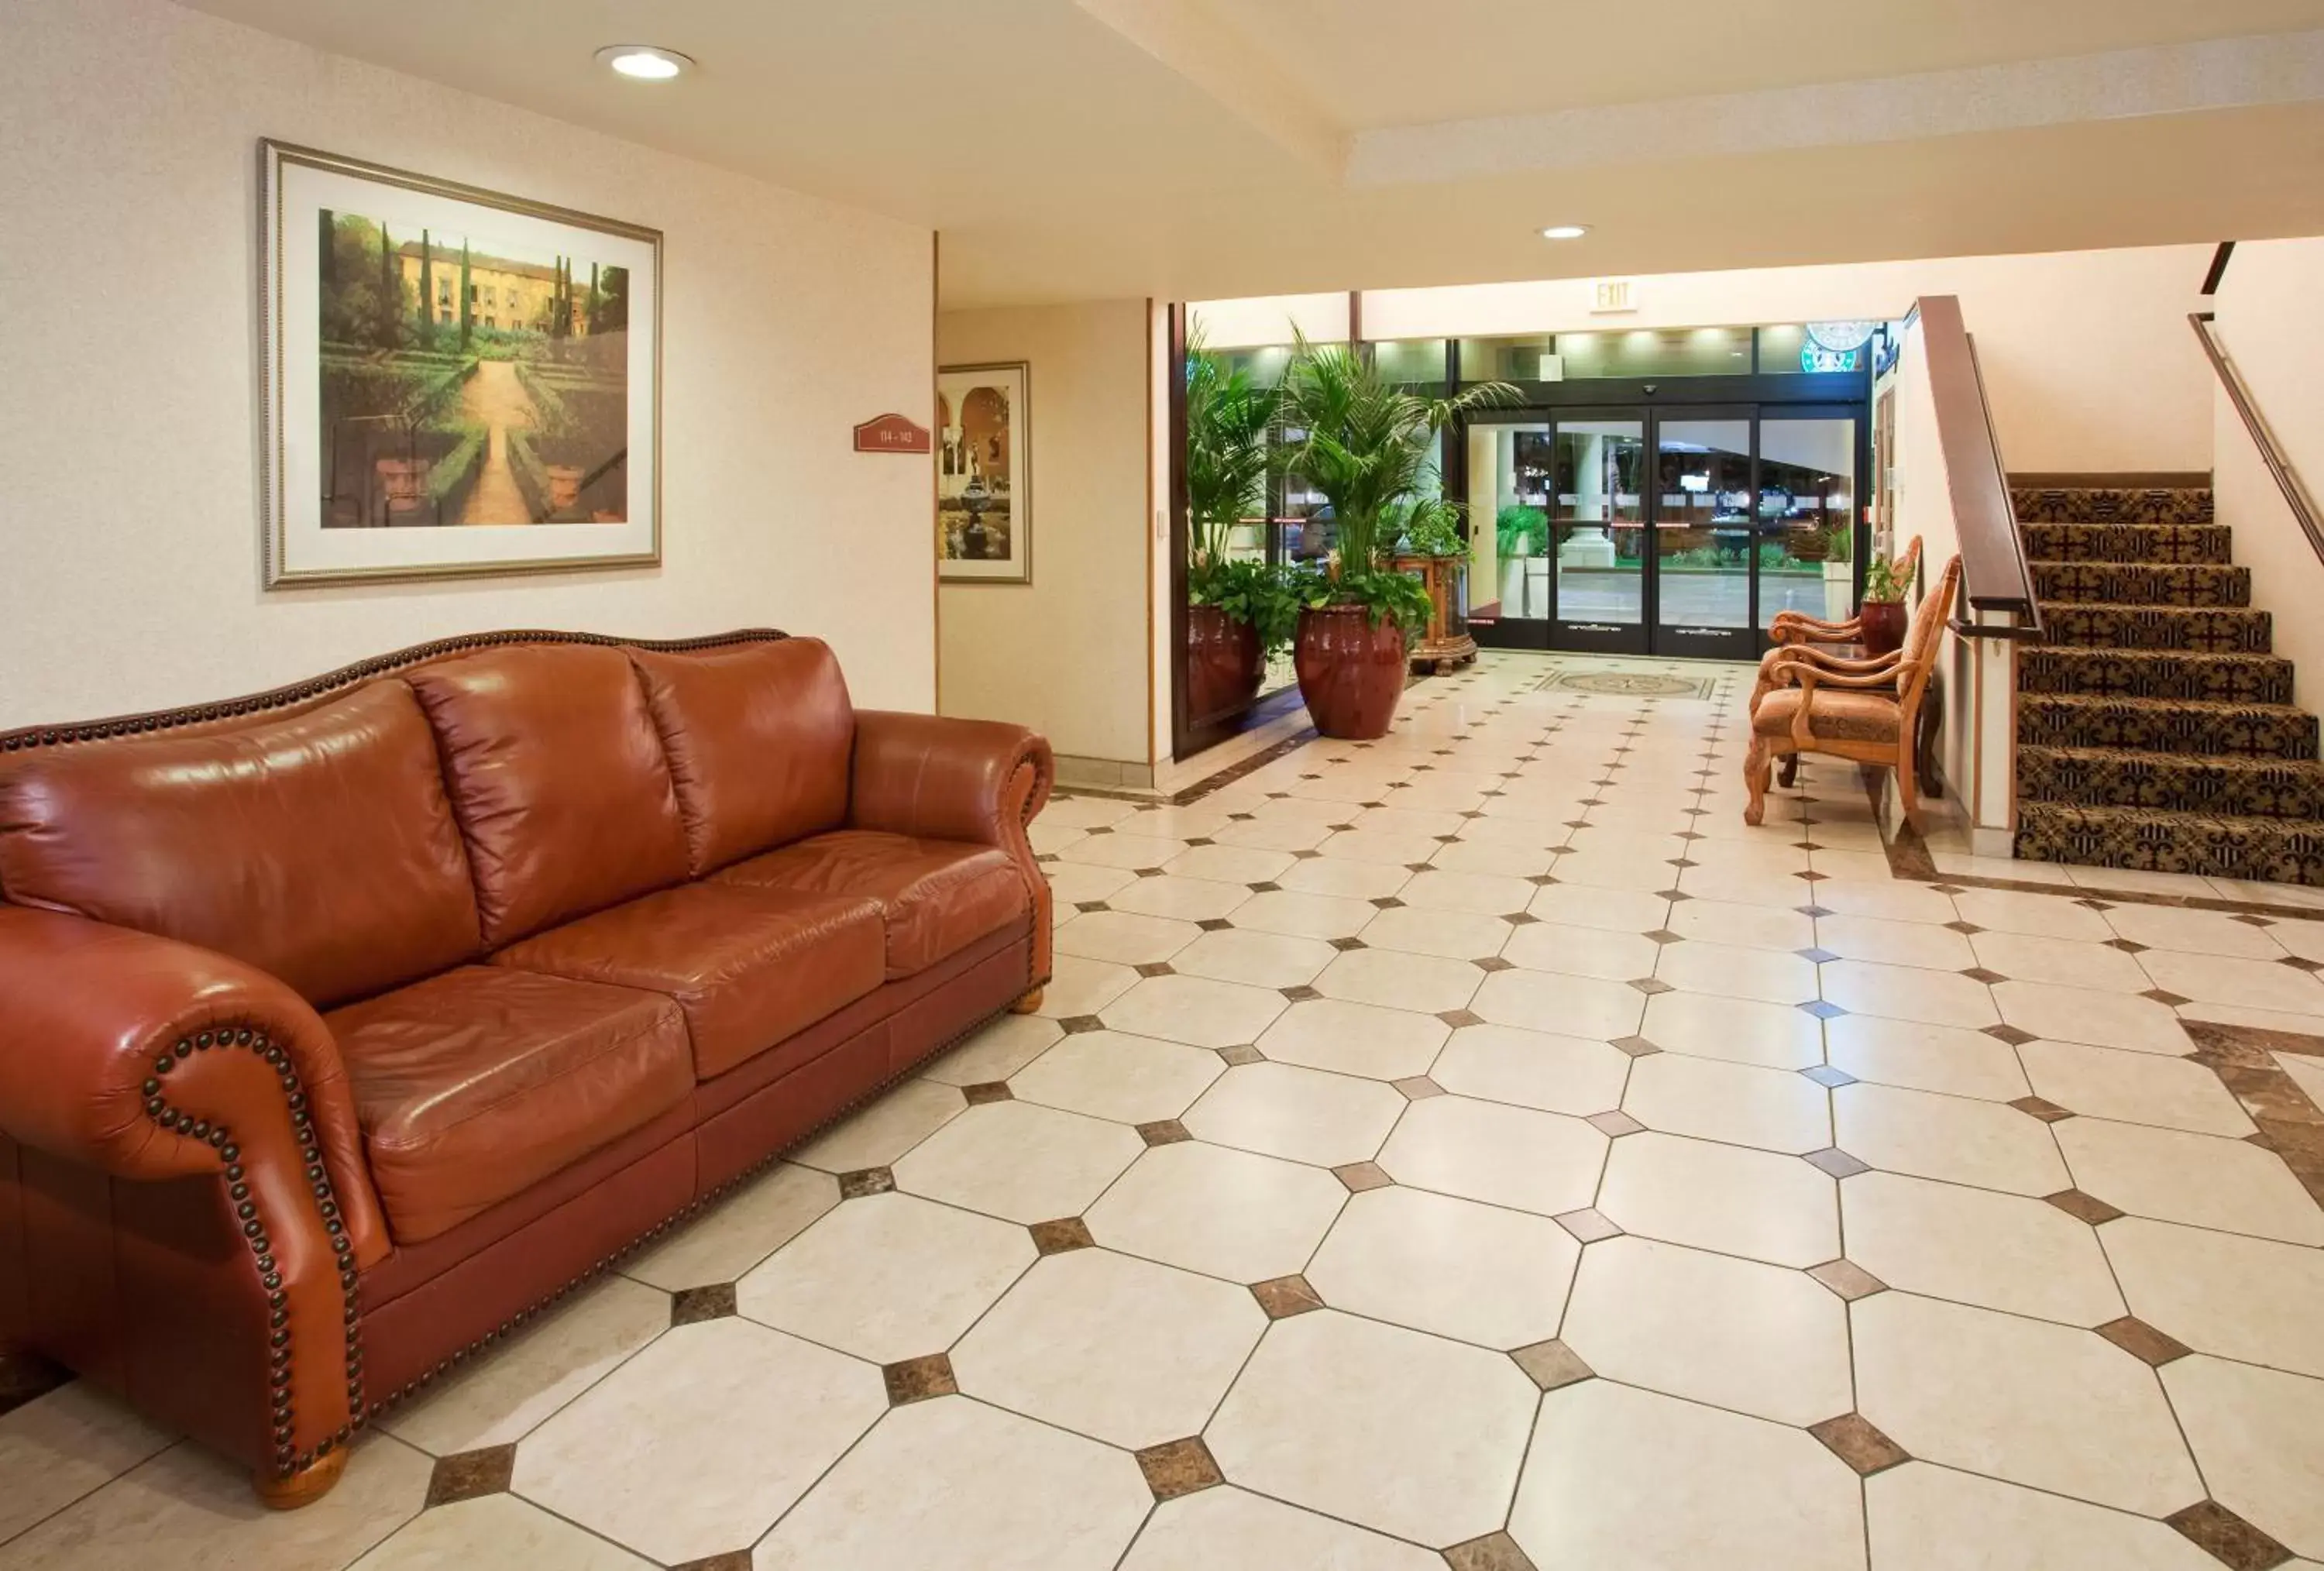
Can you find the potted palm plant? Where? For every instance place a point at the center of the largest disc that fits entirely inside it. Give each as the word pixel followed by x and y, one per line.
pixel 1840 574
pixel 1364 449
pixel 1240 610
pixel 1882 616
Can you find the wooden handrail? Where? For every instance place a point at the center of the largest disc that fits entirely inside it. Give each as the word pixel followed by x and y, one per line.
pixel 1995 574
pixel 2295 496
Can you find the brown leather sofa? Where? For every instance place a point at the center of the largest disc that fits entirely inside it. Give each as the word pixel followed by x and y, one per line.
pixel 344 1027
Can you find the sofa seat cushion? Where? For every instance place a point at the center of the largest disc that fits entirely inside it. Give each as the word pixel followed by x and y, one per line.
pixel 938 897
pixel 474 1085
pixel 747 967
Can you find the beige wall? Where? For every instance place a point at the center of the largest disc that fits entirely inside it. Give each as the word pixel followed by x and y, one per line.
pixel 1067 654
pixel 2270 311
pixel 2087 356
pixel 128 510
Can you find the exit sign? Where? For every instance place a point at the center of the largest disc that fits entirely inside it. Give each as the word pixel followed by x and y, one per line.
pixel 1613 294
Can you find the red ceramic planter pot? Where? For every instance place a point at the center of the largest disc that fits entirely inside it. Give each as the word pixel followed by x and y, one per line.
pixel 1224 665
pixel 1350 672
pixel 1883 622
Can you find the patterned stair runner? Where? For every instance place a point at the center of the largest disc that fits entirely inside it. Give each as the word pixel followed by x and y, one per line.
pixel 2155 728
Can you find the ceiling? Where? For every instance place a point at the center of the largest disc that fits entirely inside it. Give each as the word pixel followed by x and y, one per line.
pixel 1194 148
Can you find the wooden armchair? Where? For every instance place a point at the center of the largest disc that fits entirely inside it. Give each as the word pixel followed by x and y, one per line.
pixel 1797 627
pixel 1868 710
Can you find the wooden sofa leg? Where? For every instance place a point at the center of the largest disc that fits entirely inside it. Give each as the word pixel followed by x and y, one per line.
pixel 1028 1003
pixel 1754 778
pixel 301 1488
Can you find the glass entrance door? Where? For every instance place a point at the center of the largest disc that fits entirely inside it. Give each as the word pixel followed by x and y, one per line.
pixel 1598 480
pixel 1703 535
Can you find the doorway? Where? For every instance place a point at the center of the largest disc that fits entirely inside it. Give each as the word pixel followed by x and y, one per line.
pixel 1674 531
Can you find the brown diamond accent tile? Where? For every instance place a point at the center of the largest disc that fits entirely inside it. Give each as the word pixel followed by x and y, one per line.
pixel 1552 1364
pixel 1812 876
pixel 1349 944
pixel 1156 968
pixel 1825 1075
pixel 1099 829
pixel 1312 855
pixel 2142 1341
pixel 1964 928
pixel 2086 1206
pixel 2302 963
pixel 1850 1280
pixel 1816 956
pixel 1636 1046
pixel 2164 996
pixel 2128 946
pixel 1493 1552
pixel 1614 1124
pixel 2010 1034
pixel 1263 888
pixel 1457 1018
pixel 1242 1053
pixel 1980 973
pixel 1853 1438
pixel 1521 919
pixel 1540 880
pixel 690 1305
pixel 1149 872
pixel 1648 985
pixel 1091 905
pixel 1495 962
pixel 1388 903
pixel 916 1380
pixel 1215 924
pixel 1064 1233
pixel 1418 1087
pixel 2227 1538
pixel 1360 1177
pixel 2252 919
pixel 1665 936
pixel 1300 995
pixel 1823 1010
pixel 1164 1132
pixel 732 1560
pixel 1074 1023
pixel 2048 1112
pixel 469 1474
pixel 1177 1467
pixel 2095 905
pixel 986 1091
pixel 1813 911
pixel 1200 840
pixel 865 1182
pixel 1672 895
pixel 1588 1225
pixel 1836 1162
pixel 1284 1296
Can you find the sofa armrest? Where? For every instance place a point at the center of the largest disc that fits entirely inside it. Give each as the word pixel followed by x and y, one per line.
pixel 149 1059
pixel 937 778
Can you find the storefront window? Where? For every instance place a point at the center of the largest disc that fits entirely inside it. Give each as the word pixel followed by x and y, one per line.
pixel 1412 361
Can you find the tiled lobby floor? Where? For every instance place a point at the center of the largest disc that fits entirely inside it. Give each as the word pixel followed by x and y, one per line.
pixel 1476 1148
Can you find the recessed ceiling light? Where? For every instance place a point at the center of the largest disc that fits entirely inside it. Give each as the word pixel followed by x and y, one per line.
pixel 645 62
pixel 1566 231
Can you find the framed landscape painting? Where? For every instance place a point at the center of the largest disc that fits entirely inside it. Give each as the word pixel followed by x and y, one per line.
pixel 456 382
pixel 984 473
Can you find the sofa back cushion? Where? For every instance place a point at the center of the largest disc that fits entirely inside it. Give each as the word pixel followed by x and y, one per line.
pixel 557 776
pixel 317 846
pixel 760 738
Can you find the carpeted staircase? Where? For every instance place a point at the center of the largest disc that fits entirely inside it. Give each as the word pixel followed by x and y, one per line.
pixel 2155 729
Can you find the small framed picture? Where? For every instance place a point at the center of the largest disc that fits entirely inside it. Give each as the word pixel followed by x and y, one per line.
pixel 984 473
pixel 457 382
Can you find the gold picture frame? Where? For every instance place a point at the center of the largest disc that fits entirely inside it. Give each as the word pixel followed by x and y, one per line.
pixel 984 472
pixel 456 381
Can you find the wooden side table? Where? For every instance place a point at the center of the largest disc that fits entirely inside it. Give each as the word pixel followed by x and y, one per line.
pixel 1443 645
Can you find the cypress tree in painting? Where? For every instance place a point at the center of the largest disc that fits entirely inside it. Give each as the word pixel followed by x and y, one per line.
pixel 389 294
pixel 467 318
pixel 426 291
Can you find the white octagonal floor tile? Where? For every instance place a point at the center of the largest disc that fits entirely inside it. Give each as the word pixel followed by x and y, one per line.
pixel 1355 1038
pixel 1228 1528
pixel 1479 1273
pixel 57 1448
pixel 2200 1179
pixel 1125 1078
pixel 1774 1036
pixel 700 1442
pixel 1254 959
pixel 998 1051
pixel 2259 1434
pixel 1925 1518
pixel 1626 1478
pixel 1411 1434
pixel 1542 1162
pixel 1987 1144
pixel 1733 1333
pixel 1304 1116
pixel 1724 1197
pixel 2001 1252
pixel 1194 1010
pixel 888 1277
pixel 1573 1006
pixel 1020 1161
pixel 1499 1063
pixel 1229 1213
pixel 1393 979
pixel 902 1117
pixel 1117 1348
pixel 1736 1103
pixel 952 1484
pixel 1950 1059
pixel 2034 1403
pixel 2245 1299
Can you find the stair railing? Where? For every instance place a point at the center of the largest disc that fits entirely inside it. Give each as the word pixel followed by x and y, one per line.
pixel 1998 595
pixel 2255 426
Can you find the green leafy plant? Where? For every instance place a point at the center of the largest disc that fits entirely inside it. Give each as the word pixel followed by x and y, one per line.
pixel 1883 582
pixel 1843 543
pixel 1427 526
pixel 1230 448
pixel 1262 594
pixel 1519 530
pixel 1387 594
